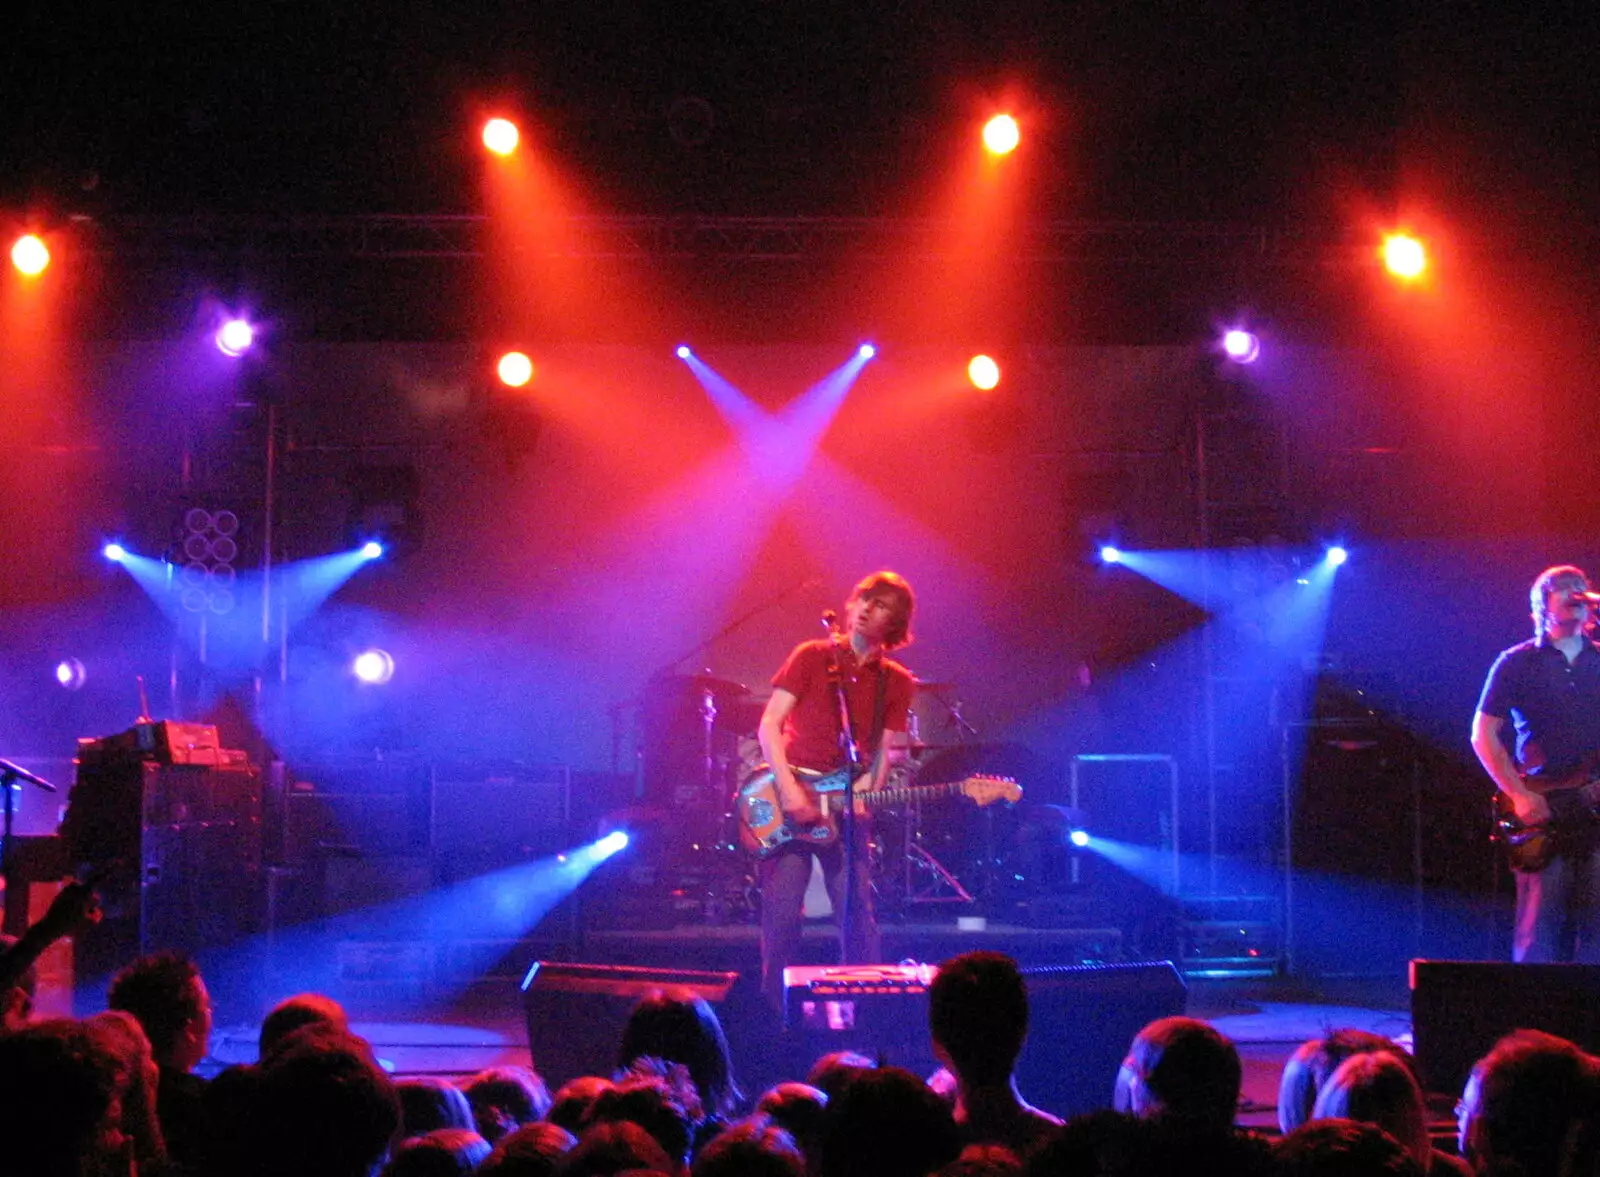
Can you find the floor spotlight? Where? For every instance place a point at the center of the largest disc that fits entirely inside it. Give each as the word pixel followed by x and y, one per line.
pixel 683 351
pixel 30 255
pixel 613 843
pixel 1240 346
pixel 373 666
pixel 984 373
pixel 1001 135
pixel 1404 256
pixel 1337 555
pixel 515 369
pixel 371 550
pixel 1078 837
pixel 235 337
pixel 114 552
pixel 1110 554
pixel 501 136
pixel 866 351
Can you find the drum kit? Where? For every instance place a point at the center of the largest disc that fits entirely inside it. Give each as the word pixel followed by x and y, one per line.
pixel 697 745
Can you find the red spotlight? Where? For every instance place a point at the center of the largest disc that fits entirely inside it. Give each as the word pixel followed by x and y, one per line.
pixel 1404 256
pixel 515 369
pixel 983 372
pixel 501 136
pixel 1001 135
pixel 30 255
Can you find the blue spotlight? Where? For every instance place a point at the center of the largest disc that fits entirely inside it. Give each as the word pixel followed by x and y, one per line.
pixel 683 351
pixel 1079 838
pixel 114 552
pixel 613 843
pixel 71 674
pixel 373 666
pixel 234 337
pixel 866 351
pixel 371 550
pixel 1337 555
pixel 1241 346
pixel 1110 554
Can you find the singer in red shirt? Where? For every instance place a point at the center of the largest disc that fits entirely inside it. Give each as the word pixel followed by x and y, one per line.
pixel 800 728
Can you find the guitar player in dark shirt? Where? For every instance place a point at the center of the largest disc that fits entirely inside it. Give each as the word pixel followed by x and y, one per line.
pixel 1549 688
pixel 800 729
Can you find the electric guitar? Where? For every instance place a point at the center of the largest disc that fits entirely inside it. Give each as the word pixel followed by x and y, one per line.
pixel 1574 802
pixel 764 828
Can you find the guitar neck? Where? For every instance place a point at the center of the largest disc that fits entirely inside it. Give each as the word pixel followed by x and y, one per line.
pixel 910 793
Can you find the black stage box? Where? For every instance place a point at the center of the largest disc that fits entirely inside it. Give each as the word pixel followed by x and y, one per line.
pixel 1461 1008
pixel 576 1012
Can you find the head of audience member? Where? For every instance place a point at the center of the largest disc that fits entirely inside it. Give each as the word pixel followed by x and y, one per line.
pixel 569 1106
pixel 675 1077
pixel 800 1110
pixel 886 1123
pixel 978 1017
pixel 290 1014
pixel 533 1150
pixel 1181 1069
pixel 654 1106
pixel 322 1107
pixel 138 1080
pixel 1377 1088
pixel 444 1152
pixel 16 1003
pixel 165 992
pixel 753 1148
pixel 1344 1148
pixel 982 1160
pixel 428 1103
pixel 680 1027
pixel 1312 1062
pixel 616 1147
pixel 59 1113
pixel 505 1098
pixel 1531 1107
pixel 832 1071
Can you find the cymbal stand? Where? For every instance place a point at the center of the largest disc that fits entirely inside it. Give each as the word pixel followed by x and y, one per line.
pixel 940 885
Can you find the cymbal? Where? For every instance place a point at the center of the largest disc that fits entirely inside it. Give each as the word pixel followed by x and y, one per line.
pixel 710 682
pixel 928 684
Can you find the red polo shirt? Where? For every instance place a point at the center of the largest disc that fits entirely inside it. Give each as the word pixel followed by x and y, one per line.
pixel 811 732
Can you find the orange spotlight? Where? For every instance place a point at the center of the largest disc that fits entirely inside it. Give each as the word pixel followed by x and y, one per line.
pixel 500 136
pixel 1404 256
pixel 983 372
pixel 1001 135
pixel 30 255
pixel 515 369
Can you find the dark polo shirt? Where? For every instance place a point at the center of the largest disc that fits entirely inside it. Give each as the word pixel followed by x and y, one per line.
pixel 1554 705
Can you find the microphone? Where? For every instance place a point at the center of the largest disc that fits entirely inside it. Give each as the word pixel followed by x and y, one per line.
pixel 830 620
pixel 15 772
pixel 1583 598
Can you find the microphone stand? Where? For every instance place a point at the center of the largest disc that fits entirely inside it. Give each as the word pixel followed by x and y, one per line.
pixel 852 764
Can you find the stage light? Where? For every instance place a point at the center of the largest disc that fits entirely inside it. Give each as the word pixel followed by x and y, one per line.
pixel 1337 555
pixel 1404 256
pixel 371 550
pixel 866 351
pixel 683 352
pixel 1079 838
pixel 30 255
pixel 501 136
pixel 1240 346
pixel 515 369
pixel 114 552
pixel 373 666
pixel 71 674
pixel 613 843
pixel 235 337
pixel 983 372
pixel 1001 135
pixel 1110 554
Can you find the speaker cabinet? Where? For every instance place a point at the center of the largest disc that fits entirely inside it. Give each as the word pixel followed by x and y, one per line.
pixel 576 1012
pixel 1459 1009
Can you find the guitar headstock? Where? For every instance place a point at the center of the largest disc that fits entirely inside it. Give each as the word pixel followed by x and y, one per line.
pixel 986 790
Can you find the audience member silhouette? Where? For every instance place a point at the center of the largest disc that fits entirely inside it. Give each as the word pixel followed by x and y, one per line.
pixel 1530 1108
pixel 138 1078
pixel 166 994
pixel 533 1150
pixel 978 1019
pixel 292 1013
pixel 428 1103
pixel 1343 1148
pixel 755 1148
pixel 652 1104
pixel 505 1098
pixel 444 1152
pixel 800 1110
pixel 1378 1088
pixel 1308 1068
pixel 832 1071
pixel 885 1122
pixel 322 1108
pixel 569 1107
pixel 612 1148
pixel 679 1027
pixel 58 1092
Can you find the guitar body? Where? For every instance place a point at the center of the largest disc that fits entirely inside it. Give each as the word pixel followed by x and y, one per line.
pixel 764 828
pixel 1574 815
